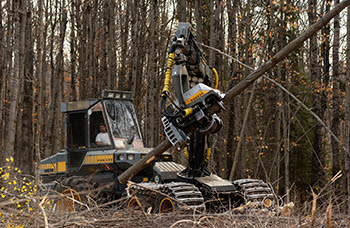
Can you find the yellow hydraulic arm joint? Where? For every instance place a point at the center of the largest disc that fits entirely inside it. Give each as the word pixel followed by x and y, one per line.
pixel 187 112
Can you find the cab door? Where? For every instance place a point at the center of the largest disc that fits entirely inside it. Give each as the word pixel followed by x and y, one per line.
pixel 77 139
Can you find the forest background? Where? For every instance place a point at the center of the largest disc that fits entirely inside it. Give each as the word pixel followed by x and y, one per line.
pixel 66 50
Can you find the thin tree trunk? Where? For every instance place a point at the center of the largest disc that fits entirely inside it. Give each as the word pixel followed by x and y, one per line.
pixel 44 46
pixel 82 21
pixel 152 75
pixel 57 81
pixel 91 47
pixel 27 157
pixel 73 53
pixel 39 83
pixel 3 80
pixel 336 107
pixel 16 82
pixel 232 31
pixel 347 116
pixel 286 130
pixel 124 48
pixel 136 53
pixel 18 147
pixel 213 32
pixel 111 45
pixel 325 50
pixel 198 15
pixel 182 10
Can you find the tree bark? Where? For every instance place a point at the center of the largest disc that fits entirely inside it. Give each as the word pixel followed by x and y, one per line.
pixel 325 50
pixel 73 53
pixel 231 117
pixel 111 46
pixel 198 15
pixel 336 106
pixel 39 122
pixel 57 80
pixel 286 130
pixel 3 80
pixel 181 10
pixel 124 48
pixel 152 76
pixel 347 116
pixel 18 71
pixel 317 174
pixel 28 95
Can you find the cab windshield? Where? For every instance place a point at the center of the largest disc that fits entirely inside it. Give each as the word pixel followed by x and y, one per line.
pixel 122 119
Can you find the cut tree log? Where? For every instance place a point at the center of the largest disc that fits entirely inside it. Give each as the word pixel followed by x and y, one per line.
pixel 240 87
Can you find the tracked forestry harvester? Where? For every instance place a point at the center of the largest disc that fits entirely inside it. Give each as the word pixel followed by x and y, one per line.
pixel 160 183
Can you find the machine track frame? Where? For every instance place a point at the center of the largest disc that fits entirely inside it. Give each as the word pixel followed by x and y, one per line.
pixel 183 196
pixel 259 193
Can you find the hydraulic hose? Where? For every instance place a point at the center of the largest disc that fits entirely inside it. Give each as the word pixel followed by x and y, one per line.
pixel 186 153
pixel 216 78
pixel 166 88
pixel 208 155
pixel 187 112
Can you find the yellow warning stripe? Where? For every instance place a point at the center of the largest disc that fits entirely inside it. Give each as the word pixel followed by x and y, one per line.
pixel 98 159
pixel 48 166
pixel 55 167
pixel 196 96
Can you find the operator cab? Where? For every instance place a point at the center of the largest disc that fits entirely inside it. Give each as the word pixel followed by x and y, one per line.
pixel 115 110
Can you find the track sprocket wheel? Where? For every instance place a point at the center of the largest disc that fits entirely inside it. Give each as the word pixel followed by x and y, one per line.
pixel 78 193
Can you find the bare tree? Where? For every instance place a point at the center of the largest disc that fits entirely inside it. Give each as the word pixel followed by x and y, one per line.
pixel 335 103
pixel 73 52
pixel 181 10
pixel 20 21
pixel 39 82
pixel 26 143
pixel 198 16
pixel 347 116
pixel 231 120
pixel 3 78
pixel 111 45
pixel 124 46
pixel 318 175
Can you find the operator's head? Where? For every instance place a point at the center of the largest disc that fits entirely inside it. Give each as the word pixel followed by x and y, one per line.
pixel 103 128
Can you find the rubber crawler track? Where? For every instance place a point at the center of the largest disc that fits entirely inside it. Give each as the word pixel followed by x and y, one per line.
pixel 186 195
pixel 256 191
